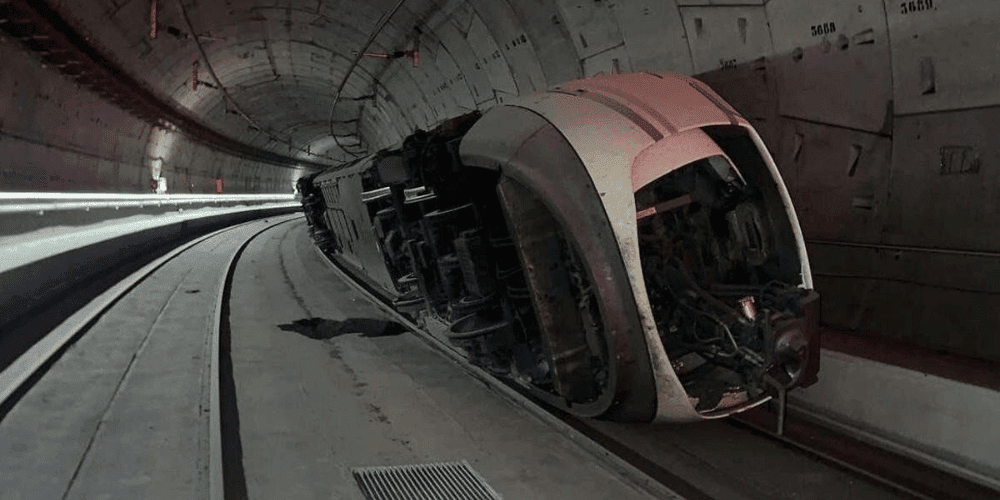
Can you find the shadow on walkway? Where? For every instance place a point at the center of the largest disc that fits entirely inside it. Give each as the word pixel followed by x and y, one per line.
pixel 321 328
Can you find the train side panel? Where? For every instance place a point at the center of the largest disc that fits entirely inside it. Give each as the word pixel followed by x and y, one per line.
pixel 351 222
pixel 540 164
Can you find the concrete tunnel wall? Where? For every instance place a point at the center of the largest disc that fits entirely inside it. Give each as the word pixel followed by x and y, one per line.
pixel 880 114
pixel 55 137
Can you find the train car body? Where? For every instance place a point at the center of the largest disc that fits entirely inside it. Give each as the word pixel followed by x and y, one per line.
pixel 622 246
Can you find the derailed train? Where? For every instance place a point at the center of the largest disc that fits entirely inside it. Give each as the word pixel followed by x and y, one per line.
pixel 621 246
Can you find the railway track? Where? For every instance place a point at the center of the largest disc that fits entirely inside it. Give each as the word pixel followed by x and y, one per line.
pixel 637 450
pixel 118 360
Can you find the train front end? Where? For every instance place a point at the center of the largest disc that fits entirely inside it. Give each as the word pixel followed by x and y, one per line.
pixel 710 243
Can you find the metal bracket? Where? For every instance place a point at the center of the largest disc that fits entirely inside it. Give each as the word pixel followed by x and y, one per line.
pixel 782 402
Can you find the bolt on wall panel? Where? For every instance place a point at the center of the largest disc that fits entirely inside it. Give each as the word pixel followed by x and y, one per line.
pixel 654 36
pixel 405 124
pixel 122 173
pixel 48 120
pixel 78 173
pixel 40 159
pixel 591 25
pixel 515 46
pixel 549 39
pixel 944 181
pixel 611 61
pixel 944 54
pixel 723 37
pixel 833 62
pixel 371 128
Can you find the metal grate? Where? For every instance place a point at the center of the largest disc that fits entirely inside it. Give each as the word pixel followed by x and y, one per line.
pixel 440 481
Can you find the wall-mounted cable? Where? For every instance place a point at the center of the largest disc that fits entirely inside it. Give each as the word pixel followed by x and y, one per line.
pixel 357 58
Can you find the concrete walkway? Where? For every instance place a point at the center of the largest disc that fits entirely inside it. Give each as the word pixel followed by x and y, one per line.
pixel 358 395
pixel 124 412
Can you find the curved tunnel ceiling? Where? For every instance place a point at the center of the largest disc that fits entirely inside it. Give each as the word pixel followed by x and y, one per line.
pixel 854 66
pixel 280 61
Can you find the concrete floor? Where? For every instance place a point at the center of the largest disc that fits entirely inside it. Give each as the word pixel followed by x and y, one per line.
pixel 311 409
pixel 393 400
pixel 124 412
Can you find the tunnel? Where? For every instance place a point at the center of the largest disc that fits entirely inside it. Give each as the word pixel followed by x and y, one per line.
pixel 881 117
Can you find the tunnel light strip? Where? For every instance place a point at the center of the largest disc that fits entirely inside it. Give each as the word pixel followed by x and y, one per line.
pixel 43 202
pixel 41 196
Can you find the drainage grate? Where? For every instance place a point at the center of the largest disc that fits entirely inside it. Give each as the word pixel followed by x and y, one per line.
pixel 444 481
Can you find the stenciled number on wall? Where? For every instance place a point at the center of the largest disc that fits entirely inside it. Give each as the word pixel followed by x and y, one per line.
pixel 727 63
pixel 916 6
pixel 823 29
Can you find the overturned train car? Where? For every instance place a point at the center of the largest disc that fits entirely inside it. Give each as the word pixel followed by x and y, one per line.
pixel 622 246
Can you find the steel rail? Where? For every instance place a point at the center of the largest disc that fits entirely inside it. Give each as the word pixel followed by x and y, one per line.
pixel 812 450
